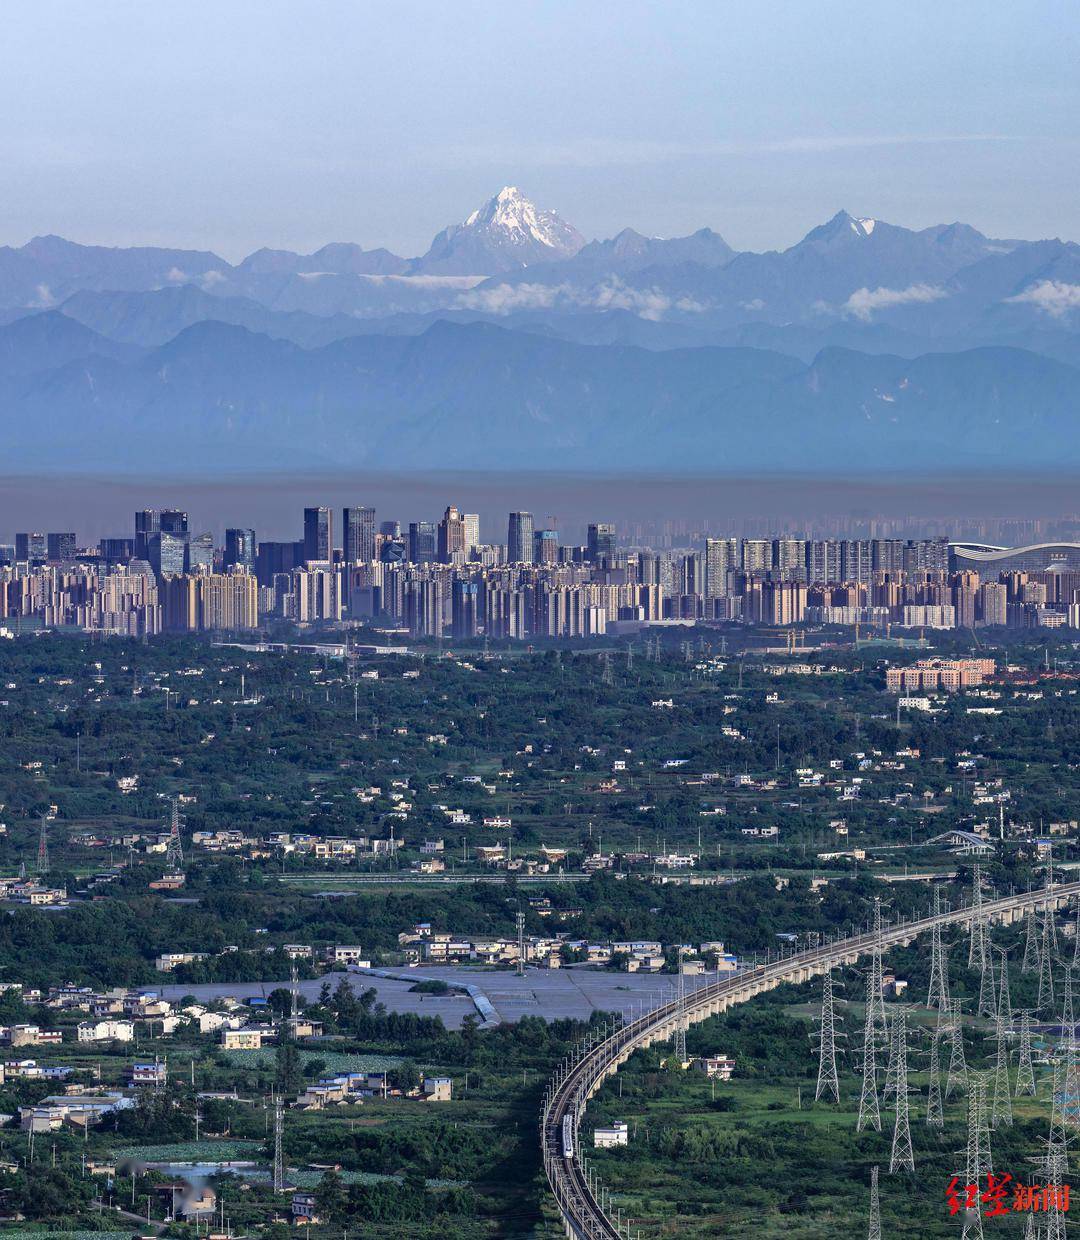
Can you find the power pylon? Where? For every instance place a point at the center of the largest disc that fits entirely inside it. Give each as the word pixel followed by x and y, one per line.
pixel 939 969
pixel 1025 1072
pixel 1055 1163
pixel 174 853
pixel 977 937
pixel 279 1154
pixel 1045 1000
pixel 935 1117
pixel 1068 1017
pixel 607 676
pixel 43 847
pixel 1048 911
pixel 1031 944
pixel 1004 995
pixel 1001 1112
pixel 902 1155
pixel 1076 938
pixel 957 1063
pixel 874 1232
pixel 521 944
pixel 680 1021
pixel 869 1110
pixel 875 999
pixel 977 1160
pixel 828 1082
pixel 987 1001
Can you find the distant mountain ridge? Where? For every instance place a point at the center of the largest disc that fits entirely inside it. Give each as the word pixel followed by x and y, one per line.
pixel 515 342
pixel 481 397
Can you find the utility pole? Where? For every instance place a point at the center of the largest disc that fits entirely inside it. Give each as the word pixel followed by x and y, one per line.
pixel 521 943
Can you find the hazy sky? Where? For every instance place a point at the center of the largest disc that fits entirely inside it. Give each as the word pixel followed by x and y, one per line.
pixel 239 123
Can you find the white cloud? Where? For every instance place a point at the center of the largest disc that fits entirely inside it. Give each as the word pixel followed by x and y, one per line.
pixel 1053 297
pixel 209 278
pixel 612 294
pixel 44 298
pixel 175 276
pixel 863 302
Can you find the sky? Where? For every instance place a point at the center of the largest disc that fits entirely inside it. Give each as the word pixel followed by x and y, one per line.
pixel 241 123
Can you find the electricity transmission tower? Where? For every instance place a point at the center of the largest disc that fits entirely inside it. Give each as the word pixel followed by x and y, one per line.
pixel 869 1111
pixel 1076 938
pixel 174 852
pixel 1025 1073
pixel 43 847
pixel 1031 944
pixel 957 1062
pixel 1004 1006
pixel 1001 1114
pixel 279 1155
pixel 935 1117
pixel 902 1155
pixel 521 944
pixel 874 1232
pixel 977 938
pixel 1045 1000
pixel 828 1082
pixel 939 968
pixel 987 1001
pixel 680 1021
pixel 977 1161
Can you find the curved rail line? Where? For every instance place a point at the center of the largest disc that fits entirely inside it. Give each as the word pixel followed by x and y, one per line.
pixel 580 1199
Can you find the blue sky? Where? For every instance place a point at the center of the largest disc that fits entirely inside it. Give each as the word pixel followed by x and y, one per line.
pixel 230 125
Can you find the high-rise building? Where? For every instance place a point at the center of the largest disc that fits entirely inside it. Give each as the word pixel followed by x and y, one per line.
pixel 31 547
pixel 358 535
pixel 167 553
pixel 318 535
pixel 546 547
pixel 452 536
pixel 422 542
pixel 601 540
pixel 147 524
pixel 519 538
pixel 721 555
pixel 472 532
pixel 200 557
pixel 173 521
pixel 61 547
pixel 390 529
pixel 239 549
pixel 117 550
pixel 467 608
pixel 757 555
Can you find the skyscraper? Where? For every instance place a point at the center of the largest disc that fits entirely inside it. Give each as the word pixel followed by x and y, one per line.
pixel 61 547
pixel 31 547
pixel 519 538
pixel 472 532
pixel 358 535
pixel 422 544
pixel 546 547
pixel 239 549
pixel 601 540
pixel 451 535
pixel 318 534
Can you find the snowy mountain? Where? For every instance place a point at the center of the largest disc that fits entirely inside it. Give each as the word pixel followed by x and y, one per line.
pixel 507 233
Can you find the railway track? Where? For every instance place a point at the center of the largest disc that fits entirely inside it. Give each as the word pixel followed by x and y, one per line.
pixel 582 1202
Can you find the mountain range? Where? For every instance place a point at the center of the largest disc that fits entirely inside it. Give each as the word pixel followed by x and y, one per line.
pixel 512 342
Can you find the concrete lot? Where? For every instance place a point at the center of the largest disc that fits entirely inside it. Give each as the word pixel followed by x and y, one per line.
pixel 551 993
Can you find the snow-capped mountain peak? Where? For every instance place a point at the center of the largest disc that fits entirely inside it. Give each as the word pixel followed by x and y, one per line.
pixel 508 232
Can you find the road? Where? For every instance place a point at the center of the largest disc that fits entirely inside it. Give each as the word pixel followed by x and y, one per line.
pixel 579 1198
